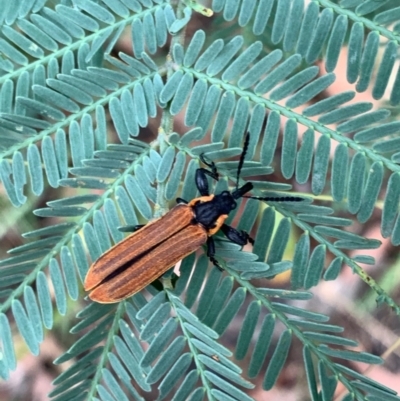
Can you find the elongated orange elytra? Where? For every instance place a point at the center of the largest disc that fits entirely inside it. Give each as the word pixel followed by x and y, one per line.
pixel 145 255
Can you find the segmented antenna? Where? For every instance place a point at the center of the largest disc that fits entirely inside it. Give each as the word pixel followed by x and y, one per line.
pixel 276 198
pixel 241 160
pixel 238 192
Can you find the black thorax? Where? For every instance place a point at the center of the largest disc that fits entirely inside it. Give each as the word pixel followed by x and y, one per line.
pixel 207 213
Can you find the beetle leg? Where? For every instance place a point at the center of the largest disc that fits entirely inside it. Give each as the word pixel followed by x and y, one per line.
pixel 238 237
pixel 211 165
pixel 131 229
pixel 180 200
pixel 211 252
pixel 201 179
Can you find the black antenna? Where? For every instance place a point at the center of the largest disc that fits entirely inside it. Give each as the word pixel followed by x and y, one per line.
pixel 276 198
pixel 239 192
pixel 242 156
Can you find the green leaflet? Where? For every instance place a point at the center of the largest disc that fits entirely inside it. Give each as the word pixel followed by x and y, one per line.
pixel 195 283
pixel 351 355
pixel 33 313
pixel 207 295
pixel 155 321
pixel 224 112
pixel 248 327
pixel 311 379
pixel 195 103
pixel 166 360
pixel 308 25
pixel 225 56
pixel 321 32
pixel 355 46
pixel 175 373
pixel 277 361
pixel 227 387
pixel 356 182
pixel 25 326
pixel 367 61
pixel 289 149
pixel 242 62
pixel 335 42
pixel 300 259
pixel 339 172
pixel 320 167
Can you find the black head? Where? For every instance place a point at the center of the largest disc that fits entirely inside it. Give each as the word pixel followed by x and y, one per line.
pixel 225 201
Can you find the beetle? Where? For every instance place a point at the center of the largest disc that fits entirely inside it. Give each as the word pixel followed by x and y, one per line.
pixel 149 252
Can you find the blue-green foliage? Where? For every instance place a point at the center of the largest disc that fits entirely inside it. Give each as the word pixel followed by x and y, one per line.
pixel 62 92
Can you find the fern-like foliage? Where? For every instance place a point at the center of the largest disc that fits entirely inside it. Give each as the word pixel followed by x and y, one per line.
pixel 63 87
